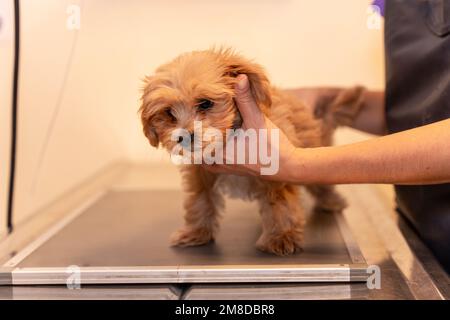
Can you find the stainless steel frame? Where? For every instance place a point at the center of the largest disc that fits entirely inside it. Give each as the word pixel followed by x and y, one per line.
pixel 189 274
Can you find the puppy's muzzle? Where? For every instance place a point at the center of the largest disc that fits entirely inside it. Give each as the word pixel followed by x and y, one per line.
pixel 186 141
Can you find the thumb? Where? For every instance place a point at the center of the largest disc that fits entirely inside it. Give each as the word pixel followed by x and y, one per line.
pixel 250 112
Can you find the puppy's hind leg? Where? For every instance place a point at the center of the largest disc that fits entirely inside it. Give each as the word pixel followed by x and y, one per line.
pixel 327 198
pixel 282 220
pixel 201 206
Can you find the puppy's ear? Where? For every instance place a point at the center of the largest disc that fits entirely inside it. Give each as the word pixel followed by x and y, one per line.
pixel 150 133
pixel 147 114
pixel 259 83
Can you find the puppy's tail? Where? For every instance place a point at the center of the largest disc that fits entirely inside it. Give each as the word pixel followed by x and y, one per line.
pixel 341 108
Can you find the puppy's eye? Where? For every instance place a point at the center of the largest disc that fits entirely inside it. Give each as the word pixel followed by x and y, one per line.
pixel 169 113
pixel 205 104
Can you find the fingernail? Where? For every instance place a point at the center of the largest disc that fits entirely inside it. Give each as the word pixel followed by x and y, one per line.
pixel 242 82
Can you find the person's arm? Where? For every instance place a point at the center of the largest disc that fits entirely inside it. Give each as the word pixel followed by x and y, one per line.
pixel 370 119
pixel 416 156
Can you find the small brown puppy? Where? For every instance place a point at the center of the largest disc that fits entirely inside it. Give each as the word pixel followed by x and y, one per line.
pixel 199 86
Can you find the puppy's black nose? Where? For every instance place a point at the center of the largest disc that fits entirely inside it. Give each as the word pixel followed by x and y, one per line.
pixel 180 138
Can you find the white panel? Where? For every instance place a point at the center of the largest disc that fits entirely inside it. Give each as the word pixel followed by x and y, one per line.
pixel 6 79
pixel 62 139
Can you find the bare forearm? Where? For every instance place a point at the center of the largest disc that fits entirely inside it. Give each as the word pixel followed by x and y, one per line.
pixel 416 156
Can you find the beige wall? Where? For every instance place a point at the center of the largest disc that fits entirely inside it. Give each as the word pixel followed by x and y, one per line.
pixel 6 74
pixel 301 43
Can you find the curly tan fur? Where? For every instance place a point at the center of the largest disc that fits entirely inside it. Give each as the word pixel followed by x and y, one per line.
pixel 169 102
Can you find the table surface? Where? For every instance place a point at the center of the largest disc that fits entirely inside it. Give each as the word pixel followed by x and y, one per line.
pixel 132 228
pixel 117 226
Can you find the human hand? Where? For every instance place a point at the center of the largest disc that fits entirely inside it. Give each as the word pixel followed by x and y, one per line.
pixel 283 154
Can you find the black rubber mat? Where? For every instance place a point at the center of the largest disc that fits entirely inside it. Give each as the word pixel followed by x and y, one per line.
pixel 131 228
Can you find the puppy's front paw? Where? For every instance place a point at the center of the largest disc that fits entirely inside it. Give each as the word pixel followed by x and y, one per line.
pixel 186 237
pixel 282 244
